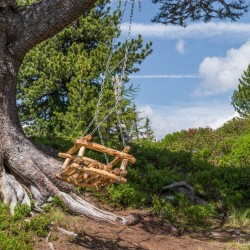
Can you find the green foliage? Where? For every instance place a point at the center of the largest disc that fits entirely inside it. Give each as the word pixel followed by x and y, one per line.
pixel 47 208
pixel 125 195
pixel 59 143
pixel 181 12
pixel 12 243
pixel 182 211
pixel 40 225
pixel 147 133
pixel 21 212
pixel 239 156
pixel 57 215
pixel 160 206
pixel 58 202
pixel 199 214
pixel 13 234
pixel 235 127
pixel 26 2
pixel 214 162
pixel 241 96
pixel 239 218
pixel 60 79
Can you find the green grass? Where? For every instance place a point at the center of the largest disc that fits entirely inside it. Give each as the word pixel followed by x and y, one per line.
pixel 13 229
pixel 239 219
pixel 17 233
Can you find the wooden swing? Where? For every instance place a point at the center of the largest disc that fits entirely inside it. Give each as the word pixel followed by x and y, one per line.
pixel 85 172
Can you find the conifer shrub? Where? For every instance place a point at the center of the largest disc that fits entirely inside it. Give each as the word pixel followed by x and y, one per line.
pixel 40 225
pixel 239 155
pixel 21 211
pixel 183 212
pixel 13 233
pixel 126 195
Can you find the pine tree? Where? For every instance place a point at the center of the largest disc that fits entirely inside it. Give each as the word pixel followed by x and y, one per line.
pixel 148 133
pixel 180 12
pixel 241 97
pixel 60 79
pixel 136 129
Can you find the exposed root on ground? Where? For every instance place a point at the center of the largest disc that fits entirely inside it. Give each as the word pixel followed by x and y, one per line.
pixel 26 168
pixel 12 191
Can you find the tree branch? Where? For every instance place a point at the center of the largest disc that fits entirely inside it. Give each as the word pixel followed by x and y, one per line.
pixel 44 19
pixel 181 12
pixel 5 3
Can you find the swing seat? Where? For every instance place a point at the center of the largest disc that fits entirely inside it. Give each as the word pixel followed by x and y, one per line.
pixel 85 172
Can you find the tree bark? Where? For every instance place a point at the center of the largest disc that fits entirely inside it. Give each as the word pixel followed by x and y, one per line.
pixel 43 20
pixel 26 172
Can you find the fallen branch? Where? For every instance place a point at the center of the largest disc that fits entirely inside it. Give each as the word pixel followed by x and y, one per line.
pixel 50 244
pixel 68 233
pixel 186 189
pixel 179 184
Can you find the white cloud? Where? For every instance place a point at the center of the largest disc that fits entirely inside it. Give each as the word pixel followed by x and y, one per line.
pixel 221 74
pixel 195 30
pixel 165 76
pixel 168 119
pixel 180 46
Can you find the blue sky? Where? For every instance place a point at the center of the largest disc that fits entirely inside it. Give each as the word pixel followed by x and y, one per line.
pixel 190 77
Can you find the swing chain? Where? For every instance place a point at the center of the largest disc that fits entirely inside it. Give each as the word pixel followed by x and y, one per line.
pixel 118 87
pixel 118 82
pixel 118 90
pixel 104 77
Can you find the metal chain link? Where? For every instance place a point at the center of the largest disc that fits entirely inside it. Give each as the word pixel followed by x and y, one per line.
pixel 139 2
pixel 95 118
pixel 100 94
pixel 119 83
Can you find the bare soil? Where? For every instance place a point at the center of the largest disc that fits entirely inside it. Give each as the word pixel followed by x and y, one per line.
pixel 151 233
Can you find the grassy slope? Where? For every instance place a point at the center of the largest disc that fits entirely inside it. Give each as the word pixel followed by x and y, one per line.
pixel 216 163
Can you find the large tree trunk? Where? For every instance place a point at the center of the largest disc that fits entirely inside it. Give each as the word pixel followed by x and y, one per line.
pixel 26 172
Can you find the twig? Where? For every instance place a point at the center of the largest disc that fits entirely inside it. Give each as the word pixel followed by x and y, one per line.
pixel 49 243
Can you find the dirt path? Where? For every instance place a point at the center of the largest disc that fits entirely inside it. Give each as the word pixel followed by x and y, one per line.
pixel 151 233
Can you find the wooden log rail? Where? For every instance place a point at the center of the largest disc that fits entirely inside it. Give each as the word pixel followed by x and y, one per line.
pixel 106 150
pixel 103 173
pixel 86 172
pixel 117 159
pixel 76 147
pixel 84 160
pixel 74 168
pixel 85 143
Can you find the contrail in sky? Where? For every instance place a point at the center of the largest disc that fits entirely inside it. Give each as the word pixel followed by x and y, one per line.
pixel 224 30
pixel 166 76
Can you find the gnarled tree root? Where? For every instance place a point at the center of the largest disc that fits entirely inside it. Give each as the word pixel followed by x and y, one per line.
pixel 27 168
pixel 79 206
pixel 12 191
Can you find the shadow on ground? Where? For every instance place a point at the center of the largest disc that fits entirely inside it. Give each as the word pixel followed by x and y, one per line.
pixel 95 242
